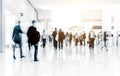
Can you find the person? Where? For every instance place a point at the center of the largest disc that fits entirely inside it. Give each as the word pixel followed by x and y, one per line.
pixel 105 39
pixel 81 38
pixel 66 38
pixel 44 38
pixel 33 38
pixel 17 38
pixel 76 39
pixel 84 37
pixel 54 34
pixel 91 39
pixel 70 38
pixel 61 37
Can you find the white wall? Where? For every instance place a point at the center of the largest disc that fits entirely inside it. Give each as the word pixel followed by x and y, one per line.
pixel 0 25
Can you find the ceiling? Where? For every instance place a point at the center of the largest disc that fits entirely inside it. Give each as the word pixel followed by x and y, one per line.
pixel 44 6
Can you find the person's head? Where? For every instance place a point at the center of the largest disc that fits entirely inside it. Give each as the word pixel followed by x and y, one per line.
pixel 60 30
pixel 18 22
pixel 33 22
pixel 55 29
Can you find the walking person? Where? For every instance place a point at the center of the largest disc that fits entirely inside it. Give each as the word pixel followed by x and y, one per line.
pixel 17 38
pixel 44 38
pixel 81 39
pixel 61 37
pixel 84 37
pixel 66 38
pixel 76 39
pixel 54 34
pixel 91 39
pixel 105 39
pixel 70 38
pixel 33 38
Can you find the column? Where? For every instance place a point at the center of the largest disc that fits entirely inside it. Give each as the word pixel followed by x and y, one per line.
pixel 0 25
pixel 2 31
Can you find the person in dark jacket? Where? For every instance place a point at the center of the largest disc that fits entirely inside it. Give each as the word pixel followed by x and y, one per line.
pixel 17 38
pixel 54 34
pixel 70 38
pixel 105 39
pixel 33 39
pixel 61 37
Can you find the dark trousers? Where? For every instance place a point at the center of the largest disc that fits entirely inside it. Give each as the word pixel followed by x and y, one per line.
pixel 20 46
pixel 61 44
pixel 80 42
pixel 36 51
pixel 55 44
pixel 91 44
pixel 44 42
pixel 76 41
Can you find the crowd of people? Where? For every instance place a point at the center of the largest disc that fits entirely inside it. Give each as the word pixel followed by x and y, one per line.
pixel 58 37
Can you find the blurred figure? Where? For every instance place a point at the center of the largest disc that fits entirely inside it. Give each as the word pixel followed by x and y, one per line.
pixel 105 39
pixel 50 38
pixel 33 38
pixel 99 36
pixel 70 38
pixel 76 39
pixel 54 34
pixel 44 38
pixel 111 40
pixel 81 38
pixel 84 37
pixel 91 39
pixel 66 38
pixel 17 38
pixel 61 37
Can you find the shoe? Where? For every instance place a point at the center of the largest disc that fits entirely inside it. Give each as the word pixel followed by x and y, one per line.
pixel 36 60
pixel 22 56
pixel 14 57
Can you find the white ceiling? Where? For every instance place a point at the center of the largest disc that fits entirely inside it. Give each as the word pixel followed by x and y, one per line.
pixel 18 6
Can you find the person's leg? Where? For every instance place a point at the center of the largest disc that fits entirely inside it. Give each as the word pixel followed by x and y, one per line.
pixel 21 53
pixel 44 41
pixel 62 44
pixel 55 44
pixel 59 44
pixel 80 42
pixel 84 42
pixel 14 51
pixel 36 52
pixel 29 45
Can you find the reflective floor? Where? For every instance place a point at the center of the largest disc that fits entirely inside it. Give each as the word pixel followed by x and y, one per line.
pixel 71 61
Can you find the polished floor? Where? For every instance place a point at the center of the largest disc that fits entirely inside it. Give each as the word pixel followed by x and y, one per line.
pixel 70 61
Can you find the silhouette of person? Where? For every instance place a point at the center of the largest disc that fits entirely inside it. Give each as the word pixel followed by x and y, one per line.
pixel 44 38
pixel 84 37
pixel 66 38
pixel 70 38
pixel 17 38
pixel 91 39
pixel 105 39
pixel 61 37
pixel 54 34
pixel 81 38
pixel 76 39
pixel 33 38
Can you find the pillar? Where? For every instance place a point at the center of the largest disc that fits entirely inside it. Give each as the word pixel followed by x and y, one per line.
pixel 2 31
